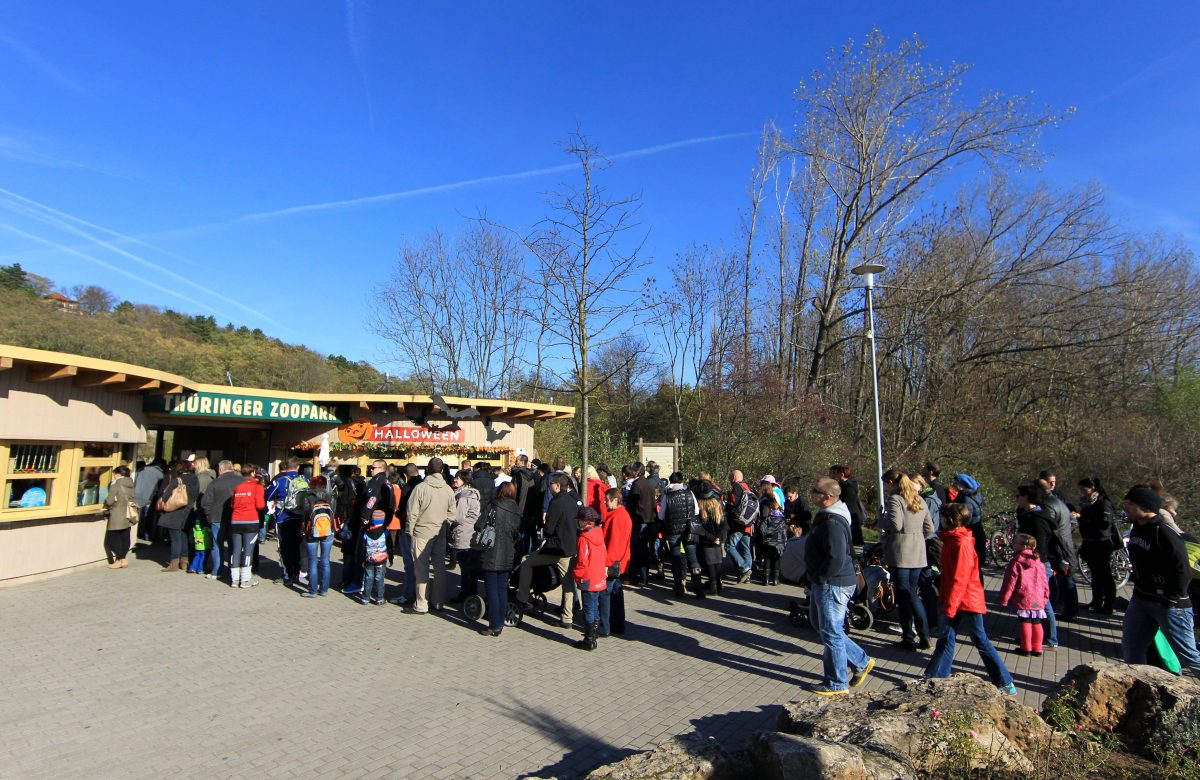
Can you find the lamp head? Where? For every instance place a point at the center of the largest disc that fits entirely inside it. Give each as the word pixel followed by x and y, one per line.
pixel 868 268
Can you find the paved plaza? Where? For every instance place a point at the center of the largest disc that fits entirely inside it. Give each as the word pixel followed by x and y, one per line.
pixel 136 673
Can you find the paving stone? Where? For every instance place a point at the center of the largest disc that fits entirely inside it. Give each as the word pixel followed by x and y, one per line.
pixel 139 673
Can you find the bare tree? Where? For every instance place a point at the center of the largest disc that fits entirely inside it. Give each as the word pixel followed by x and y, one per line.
pixel 93 299
pixel 587 256
pixel 879 127
pixel 452 311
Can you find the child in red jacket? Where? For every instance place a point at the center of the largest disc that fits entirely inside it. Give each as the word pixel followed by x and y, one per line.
pixel 1026 589
pixel 961 601
pixel 591 564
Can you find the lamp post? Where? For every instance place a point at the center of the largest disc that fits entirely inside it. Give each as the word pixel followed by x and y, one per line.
pixel 868 271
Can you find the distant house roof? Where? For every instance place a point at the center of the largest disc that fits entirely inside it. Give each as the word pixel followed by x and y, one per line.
pixel 57 296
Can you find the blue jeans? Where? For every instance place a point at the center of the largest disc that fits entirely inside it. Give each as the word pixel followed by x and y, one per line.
pixel 606 597
pixel 942 660
pixel 374 577
pixel 496 584
pixel 410 569
pixel 912 609
pixel 1063 587
pixel 217 554
pixel 1143 618
pixel 318 564
pixel 1051 623
pixel 831 602
pixel 738 548
pixel 591 606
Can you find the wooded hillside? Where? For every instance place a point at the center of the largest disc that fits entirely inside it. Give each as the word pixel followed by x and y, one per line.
pixel 192 346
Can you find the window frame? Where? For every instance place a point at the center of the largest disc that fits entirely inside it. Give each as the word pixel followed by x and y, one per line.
pixel 64 492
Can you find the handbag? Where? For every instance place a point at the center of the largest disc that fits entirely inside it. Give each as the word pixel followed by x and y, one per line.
pixel 485 538
pixel 131 513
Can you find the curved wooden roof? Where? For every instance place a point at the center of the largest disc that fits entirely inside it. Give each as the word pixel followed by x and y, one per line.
pixel 44 366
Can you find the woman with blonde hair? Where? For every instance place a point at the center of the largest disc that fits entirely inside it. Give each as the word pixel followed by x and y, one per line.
pixel 594 491
pixel 906 525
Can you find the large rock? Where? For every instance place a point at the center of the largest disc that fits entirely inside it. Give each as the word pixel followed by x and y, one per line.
pixel 688 757
pixel 787 756
pixel 1149 709
pixel 902 725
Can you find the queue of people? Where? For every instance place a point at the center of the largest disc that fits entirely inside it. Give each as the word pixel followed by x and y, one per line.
pixel 600 536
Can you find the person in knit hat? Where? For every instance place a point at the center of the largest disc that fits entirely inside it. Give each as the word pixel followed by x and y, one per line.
pixel 1161 574
pixel 374 558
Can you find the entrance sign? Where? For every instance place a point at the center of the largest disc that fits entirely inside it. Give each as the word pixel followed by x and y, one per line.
pixel 363 432
pixel 243 407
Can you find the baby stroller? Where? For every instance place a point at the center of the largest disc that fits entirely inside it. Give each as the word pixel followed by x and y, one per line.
pixel 545 579
pixel 874 591
pixel 858 616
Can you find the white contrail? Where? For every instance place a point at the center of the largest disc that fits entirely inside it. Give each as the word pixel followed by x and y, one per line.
pixel 104 264
pixel 62 221
pixel 39 62
pixel 1158 68
pixel 370 200
pixel 356 23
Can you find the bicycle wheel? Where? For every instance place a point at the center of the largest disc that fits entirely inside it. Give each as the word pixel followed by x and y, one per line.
pixel 1121 567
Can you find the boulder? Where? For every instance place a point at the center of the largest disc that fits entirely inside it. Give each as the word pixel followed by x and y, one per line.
pixel 1149 709
pixel 687 757
pixel 986 727
pixel 787 756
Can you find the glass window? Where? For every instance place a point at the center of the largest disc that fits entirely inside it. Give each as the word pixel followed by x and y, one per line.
pixel 93 485
pixel 28 493
pixel 94 450
pixel 33 459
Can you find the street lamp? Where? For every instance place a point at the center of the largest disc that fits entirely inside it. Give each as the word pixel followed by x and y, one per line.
pixel 868 271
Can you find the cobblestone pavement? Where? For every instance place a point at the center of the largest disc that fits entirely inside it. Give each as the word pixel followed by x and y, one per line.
pixel 136 673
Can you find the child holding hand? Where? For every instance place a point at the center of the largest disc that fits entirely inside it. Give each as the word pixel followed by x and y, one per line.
pixel 1026 590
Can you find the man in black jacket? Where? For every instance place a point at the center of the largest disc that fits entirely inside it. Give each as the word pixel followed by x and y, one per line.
pixel 829 560
pixel 377 496
pixel 483 481
pixel 1161 574
pixel 1062 553
pixel 642 511
pixel 558 549
pixel 676 513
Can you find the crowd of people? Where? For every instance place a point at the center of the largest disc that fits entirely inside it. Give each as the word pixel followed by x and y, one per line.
pixel 590 532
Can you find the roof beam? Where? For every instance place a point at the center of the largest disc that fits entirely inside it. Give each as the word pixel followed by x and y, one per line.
pixel 5 363
pixel 98 379
pixel 492 411
pixel 137 385
pixel 162 389
pixel 522 413
pixel 49 373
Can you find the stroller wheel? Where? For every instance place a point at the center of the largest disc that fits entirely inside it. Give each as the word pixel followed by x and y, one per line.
pixel 537 603
pixel 859 617
pixel 797 614
pixel 513 617
pixel 473 608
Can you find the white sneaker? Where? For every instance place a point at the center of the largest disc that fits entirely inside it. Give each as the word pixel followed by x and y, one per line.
pixel 248 584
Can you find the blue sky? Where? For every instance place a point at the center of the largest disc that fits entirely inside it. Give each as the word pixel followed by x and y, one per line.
pixel 190 125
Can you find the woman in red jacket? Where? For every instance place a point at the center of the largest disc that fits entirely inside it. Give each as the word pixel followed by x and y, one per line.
pixel 618 530
pixel 961 601
pixel 246 507
pixel 591 564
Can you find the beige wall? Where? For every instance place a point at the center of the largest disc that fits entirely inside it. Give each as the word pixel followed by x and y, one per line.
pixel 58 411
pixel 38 546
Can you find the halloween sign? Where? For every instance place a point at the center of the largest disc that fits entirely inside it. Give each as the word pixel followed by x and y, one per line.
pixel 364 432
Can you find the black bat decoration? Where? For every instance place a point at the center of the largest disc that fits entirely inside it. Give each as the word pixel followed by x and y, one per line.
pixel 455 414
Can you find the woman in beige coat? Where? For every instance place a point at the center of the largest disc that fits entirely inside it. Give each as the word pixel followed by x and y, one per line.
pixel 906 526
pixel 120 497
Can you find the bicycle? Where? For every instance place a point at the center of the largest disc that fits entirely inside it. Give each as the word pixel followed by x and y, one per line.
pixel 999 544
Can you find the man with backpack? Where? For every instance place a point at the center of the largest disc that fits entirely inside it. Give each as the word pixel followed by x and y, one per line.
pixel 287 491
pixel 970 495
pixel 676 513
pixel 376 495
pixel 741 508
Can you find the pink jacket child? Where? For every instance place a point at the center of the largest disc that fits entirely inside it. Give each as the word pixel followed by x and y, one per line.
pixel 1026 589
